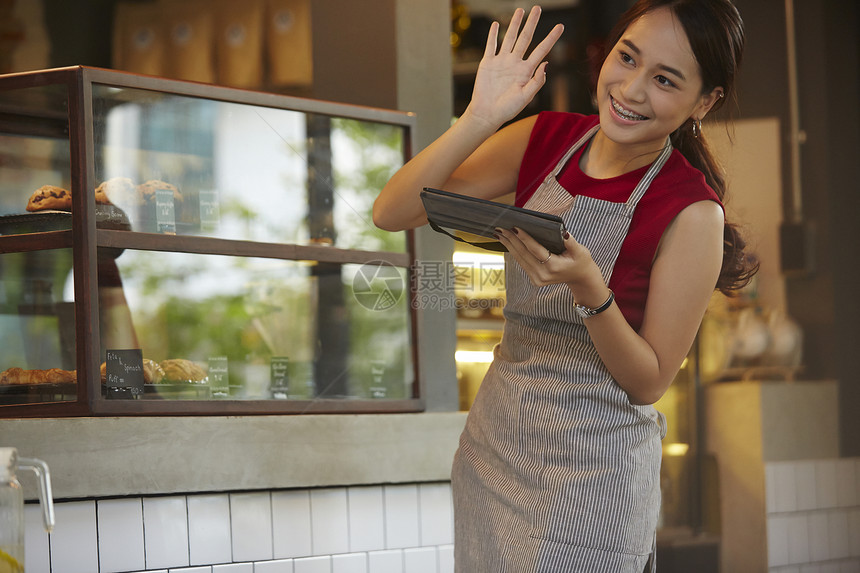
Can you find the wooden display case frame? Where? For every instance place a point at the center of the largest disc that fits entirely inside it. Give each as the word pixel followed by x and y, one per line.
pixel 84 239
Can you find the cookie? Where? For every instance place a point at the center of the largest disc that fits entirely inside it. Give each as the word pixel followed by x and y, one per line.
pixel 148 190
pixel 118 190
pixel 50 197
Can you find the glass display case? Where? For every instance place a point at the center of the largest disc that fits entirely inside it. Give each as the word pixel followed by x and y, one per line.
pixel 173 247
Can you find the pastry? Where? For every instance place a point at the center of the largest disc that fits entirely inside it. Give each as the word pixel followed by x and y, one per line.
pixel 102 198
pixel 50 197
pixel 180 370
pixel 17 376
pixel 58 199
pixel 118 190
pixel 148 190
pixel 152 372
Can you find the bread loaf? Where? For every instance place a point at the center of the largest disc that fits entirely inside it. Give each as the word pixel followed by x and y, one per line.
pixel 181 370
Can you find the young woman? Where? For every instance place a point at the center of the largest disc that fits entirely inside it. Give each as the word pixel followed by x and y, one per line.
pixel 558 468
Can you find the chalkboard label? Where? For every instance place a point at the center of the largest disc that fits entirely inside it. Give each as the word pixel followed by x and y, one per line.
pixel 210 210
pixel 124 372
pixel 219 379
pixel 378 387
pixel 280 377
pixel 165 211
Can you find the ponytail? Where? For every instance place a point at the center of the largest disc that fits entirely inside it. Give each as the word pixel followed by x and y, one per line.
pixel 737 268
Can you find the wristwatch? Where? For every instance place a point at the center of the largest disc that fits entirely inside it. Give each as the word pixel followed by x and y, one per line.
pixel 586 312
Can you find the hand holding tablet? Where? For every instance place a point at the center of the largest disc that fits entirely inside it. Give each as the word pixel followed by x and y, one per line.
pixel 446 210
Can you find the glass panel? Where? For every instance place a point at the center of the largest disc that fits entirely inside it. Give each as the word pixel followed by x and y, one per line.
pixel 202 167
pixel 34 152
pixel 37 327
pixel 677 472
pixel 250 328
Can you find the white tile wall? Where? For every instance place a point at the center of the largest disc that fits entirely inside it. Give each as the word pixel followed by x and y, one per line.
pixel 436 514
pixel 329 521
pixel 165 526
pixel 367 529
pixel 234 568
pixel 847 493
pixel 37 556
pixel 120 530
pixel 420 560
pixel 854 530
pixel 837 527
pixel 320 564
pixel 784 487
pixel 798 539
pixel 291 523
pixel 349 563
pixel 819 539
pixel 251 526
pixel 805 483
pixel 777 540
pixel 446 558
pixel 275 566
pixel 366 518
pixel 74 541
pixel 825 482
pixel 401 516
pixel 390 561
pixel 209 529
pixel 813 521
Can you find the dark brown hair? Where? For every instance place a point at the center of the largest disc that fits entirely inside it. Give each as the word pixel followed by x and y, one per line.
pixel 715 31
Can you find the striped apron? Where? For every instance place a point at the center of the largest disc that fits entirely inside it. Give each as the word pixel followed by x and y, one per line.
pixel 556 470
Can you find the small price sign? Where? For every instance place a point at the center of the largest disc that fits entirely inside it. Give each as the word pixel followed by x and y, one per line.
pixel 165 211
pixel 378 388
pixel 210 210
pixel 280 377
pixel 124 371
pixel 219 379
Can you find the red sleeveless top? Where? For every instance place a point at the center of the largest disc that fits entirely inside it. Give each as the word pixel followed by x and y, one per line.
pixel 677 185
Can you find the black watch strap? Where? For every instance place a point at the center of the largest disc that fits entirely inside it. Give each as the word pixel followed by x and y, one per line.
pixel 587 312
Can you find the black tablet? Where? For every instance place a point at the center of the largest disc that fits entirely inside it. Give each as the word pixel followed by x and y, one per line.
pixel 446 210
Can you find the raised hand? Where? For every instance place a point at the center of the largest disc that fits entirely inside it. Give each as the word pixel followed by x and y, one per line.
pixel 507 80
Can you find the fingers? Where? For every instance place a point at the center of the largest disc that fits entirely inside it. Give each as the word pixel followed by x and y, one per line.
pixel 542 49
pixel 525 37
pixel 517 41
pixel 526 250
pixel 510 39
pixel 492 40
pixel 536 82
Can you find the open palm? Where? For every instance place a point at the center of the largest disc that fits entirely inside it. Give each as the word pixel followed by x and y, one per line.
pixel 507 80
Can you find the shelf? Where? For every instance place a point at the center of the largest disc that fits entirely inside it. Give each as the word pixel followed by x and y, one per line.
pixel 213 246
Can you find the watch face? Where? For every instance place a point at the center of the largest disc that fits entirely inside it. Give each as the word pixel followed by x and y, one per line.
pixel 583 311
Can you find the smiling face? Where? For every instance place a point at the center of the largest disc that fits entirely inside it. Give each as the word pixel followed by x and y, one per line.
pixel 650 84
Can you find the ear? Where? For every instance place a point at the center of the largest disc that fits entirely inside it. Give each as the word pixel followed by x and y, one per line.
pixel 706 102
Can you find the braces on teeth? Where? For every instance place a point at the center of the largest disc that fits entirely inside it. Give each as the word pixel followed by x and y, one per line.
pixel 624 113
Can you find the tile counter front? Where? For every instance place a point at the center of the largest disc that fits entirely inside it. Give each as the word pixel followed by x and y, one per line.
pixel 370 529
pixel 788 502
pixel 335 494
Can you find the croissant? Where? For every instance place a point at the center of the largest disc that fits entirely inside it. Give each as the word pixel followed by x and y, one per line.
pixel 15 376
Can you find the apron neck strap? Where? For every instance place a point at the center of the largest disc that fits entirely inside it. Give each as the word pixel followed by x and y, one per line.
pixel 656 166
